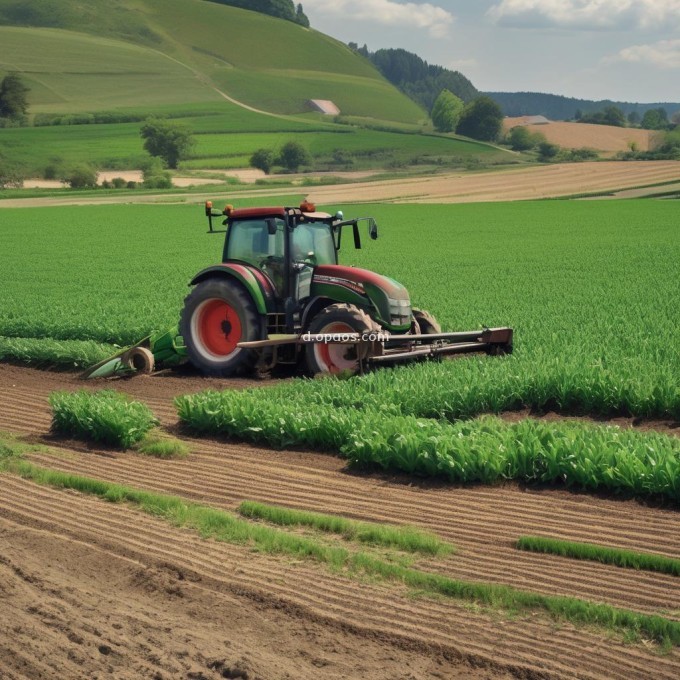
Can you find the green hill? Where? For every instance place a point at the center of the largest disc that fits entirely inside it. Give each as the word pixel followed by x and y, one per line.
pixel 265 62
pixel 115 62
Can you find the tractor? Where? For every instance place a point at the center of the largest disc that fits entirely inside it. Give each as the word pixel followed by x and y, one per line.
pixel 279 296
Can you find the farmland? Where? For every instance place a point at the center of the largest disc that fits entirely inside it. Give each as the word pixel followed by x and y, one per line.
pixel 582 284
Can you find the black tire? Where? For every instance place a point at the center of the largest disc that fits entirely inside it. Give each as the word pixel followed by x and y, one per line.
pixel 334 358
pixel 427 324
pixel 217 314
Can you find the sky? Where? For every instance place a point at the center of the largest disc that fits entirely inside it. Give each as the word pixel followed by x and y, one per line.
pixel 625 50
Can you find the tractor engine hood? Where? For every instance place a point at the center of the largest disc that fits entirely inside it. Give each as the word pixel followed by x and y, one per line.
pixel 388 298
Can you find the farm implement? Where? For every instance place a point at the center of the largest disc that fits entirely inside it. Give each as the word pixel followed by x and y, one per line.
pixel 279 296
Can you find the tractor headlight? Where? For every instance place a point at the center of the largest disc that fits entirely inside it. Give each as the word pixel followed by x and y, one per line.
pixel 400 312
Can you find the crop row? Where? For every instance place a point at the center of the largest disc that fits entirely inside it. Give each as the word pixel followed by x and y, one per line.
pixel 486 449
pixel 591 290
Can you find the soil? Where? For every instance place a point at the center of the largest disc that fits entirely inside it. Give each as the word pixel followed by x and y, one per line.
pixel 510 184
pixel 101 590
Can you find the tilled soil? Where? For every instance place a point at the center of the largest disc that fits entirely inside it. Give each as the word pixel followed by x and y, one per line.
pixel 512 184
pixel 160 600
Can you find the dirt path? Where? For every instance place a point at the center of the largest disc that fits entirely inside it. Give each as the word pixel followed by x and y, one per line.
pixel 503 185
pixel 316 617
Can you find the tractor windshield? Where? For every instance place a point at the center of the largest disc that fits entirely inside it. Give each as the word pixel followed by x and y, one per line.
pixel 313 243
pixel 250 241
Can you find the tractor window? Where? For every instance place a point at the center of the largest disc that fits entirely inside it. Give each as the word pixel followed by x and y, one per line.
pixel 250 241
pixel 315 238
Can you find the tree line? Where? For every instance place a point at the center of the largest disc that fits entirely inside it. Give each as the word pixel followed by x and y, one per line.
pixel 282 9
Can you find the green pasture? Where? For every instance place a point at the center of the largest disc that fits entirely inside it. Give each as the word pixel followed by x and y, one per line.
pixel 81 56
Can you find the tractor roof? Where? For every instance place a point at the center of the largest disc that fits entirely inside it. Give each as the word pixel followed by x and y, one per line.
pixel 254 213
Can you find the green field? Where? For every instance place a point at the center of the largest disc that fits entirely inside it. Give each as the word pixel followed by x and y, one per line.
pixel 155 52
pixel 592 299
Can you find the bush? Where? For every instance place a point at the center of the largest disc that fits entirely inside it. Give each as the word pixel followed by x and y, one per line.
pixel 293 155
pixel 81 176
pixel 521 139
pixel 11 175
pixel 482 119
pixel 118 183
pixel 262 159
pixel 155 176
pixel 547 151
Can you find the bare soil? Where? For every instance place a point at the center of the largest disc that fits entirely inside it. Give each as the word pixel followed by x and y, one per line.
pixel 510 184
pixel 100 590
pixel 599 137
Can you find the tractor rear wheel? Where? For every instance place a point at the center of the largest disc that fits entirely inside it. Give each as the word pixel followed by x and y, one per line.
pixel 337 319
pixel 217 315
pixel 427 324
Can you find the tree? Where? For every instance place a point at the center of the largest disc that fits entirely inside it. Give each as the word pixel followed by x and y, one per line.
pixel 675 118
pixel 262 159
pixel 547 151
pixel 293 155
pixel 655 119
pixel 154 174
pixel 521 139
pixel 612 115
pixel 167 140
pixel 634 119
pixel 13 97
pixel 300 16
pixel 482 119
pixel 447 111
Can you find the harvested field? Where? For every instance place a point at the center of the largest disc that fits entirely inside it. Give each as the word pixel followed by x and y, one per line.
pixel 516 184
pixel 175 604
pixel 599 137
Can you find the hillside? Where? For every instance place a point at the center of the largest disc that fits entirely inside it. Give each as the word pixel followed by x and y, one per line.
pixel 557 107
pixel 236 50
pixel 606 138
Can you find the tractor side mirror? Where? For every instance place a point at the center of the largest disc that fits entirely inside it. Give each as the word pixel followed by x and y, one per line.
pixel 271 226
pixel 373 229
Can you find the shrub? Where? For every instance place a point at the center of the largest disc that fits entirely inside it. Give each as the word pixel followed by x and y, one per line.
pixel 82 176
pixel 118 183
pixel 547 151
pixel 263 159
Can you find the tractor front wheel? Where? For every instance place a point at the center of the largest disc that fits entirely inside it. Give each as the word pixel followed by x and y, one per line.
pixel 426 323
pixel 217 315
pixel 333 321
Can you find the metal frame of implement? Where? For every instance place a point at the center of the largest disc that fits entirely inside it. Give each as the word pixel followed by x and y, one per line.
pixel 389 349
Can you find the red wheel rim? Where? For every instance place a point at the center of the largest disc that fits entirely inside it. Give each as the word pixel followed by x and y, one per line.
pixel 218 327
pixel 332 357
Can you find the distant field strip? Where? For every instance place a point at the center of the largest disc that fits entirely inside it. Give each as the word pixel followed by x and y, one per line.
pixel 600 553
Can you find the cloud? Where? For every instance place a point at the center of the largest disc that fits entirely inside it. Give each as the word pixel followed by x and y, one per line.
pixel 587 14
pixel 434 19
pixel 664 54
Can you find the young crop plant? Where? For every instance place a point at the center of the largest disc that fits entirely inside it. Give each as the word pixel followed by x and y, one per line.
pixel 409 539
pixel 106 417
pixel 216 524
pixel 600 553
pixel 485 449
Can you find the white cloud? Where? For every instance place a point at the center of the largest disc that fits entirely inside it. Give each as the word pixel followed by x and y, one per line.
pixel 663 54
pixel 434 19
pixel 587 14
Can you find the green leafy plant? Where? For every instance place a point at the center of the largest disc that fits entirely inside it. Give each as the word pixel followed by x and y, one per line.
pixel 106 416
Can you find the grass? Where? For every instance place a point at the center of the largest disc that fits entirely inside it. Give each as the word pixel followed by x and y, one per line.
pixel 599 553
pixel 99 69
pixel 409 539
pixel 222 526
pixel 160 445
pixel 107 416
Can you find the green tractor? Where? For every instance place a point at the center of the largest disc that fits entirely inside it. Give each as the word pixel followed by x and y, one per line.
pixel 279 296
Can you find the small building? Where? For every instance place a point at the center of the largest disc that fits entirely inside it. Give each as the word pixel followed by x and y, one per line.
pixel 324 106
pixel 534 120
